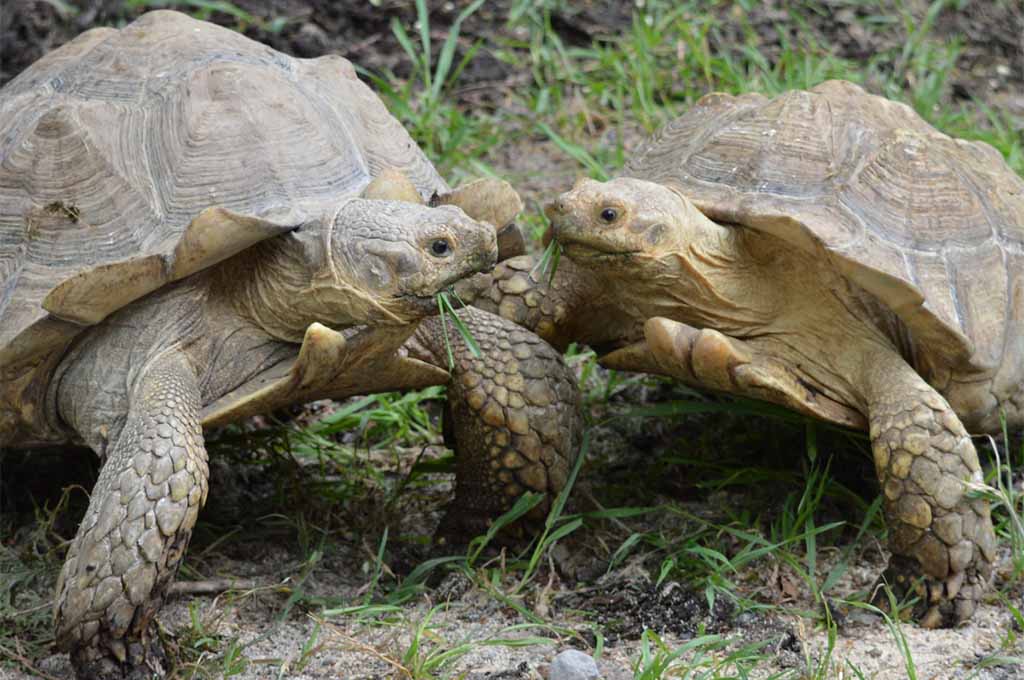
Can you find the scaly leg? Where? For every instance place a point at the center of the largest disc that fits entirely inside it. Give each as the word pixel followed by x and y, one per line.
pixel 514 417
pixel 572 307
pixel 136 529
pixel 924 459
pixel 707 359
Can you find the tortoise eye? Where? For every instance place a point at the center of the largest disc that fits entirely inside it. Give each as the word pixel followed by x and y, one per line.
pixel 441 247
pixel 609 215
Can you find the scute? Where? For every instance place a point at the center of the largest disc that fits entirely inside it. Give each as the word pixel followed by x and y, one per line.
pixel 923 222
pixel 114 144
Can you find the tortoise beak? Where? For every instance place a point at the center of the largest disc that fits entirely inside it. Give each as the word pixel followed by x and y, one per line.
pixel 555 209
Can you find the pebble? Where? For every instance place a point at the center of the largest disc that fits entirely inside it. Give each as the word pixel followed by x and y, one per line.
pixel 573 664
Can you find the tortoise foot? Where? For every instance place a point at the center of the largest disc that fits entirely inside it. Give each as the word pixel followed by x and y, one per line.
pixel 940 603
pixel 109 658
pixel 459 526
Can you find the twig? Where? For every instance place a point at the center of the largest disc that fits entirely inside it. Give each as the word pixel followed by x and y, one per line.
pixel 26 663
pixel 211 586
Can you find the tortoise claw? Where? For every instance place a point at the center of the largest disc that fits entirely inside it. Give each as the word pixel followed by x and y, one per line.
pixel 940 603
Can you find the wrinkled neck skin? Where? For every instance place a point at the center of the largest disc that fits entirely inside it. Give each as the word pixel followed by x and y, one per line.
pixel 712 281
pixel 752 286
pixel 286 283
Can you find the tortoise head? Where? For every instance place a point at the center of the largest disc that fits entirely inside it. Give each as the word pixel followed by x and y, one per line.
pixel 387 259
pixel 621 221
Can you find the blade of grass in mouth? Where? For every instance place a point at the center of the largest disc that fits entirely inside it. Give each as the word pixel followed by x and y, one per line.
pixel 549 261
pixel 446 309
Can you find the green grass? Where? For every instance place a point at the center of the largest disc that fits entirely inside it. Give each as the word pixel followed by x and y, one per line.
pixel 746 504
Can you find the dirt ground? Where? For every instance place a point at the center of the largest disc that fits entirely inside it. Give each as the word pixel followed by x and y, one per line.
pixel 266 549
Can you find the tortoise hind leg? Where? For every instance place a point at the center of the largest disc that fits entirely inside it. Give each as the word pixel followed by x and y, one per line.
pixel 924 459
pixel 136 528
pixel 513 418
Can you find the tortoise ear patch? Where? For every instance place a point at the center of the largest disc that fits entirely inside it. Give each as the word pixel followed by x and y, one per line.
pixel 655 234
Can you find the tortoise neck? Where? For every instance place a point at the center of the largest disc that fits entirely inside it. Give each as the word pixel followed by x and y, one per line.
pixel 718 280
pixel 269 286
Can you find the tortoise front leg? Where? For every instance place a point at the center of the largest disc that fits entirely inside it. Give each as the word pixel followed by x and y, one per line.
pixel 513 417
pixel 924 460
pixel 570 307
pixel 707 359
pixel 136 529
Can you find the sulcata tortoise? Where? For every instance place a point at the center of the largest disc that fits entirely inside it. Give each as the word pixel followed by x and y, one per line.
pixel 195 228
pixel 830 251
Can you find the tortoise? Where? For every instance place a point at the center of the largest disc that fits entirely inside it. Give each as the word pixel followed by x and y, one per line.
pixel 195 228
pixel 827 250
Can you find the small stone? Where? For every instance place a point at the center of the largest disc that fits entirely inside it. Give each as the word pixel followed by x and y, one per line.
pixel 573 664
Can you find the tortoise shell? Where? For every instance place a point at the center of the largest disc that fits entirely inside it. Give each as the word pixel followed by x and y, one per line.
pixel 112 146
pixel 931 226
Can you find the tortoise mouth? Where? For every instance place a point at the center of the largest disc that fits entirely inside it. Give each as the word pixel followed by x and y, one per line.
pixel 582 249
pixel 422 305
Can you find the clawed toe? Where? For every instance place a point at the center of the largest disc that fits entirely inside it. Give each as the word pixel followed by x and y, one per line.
pixel 934 603
pixel 117 659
